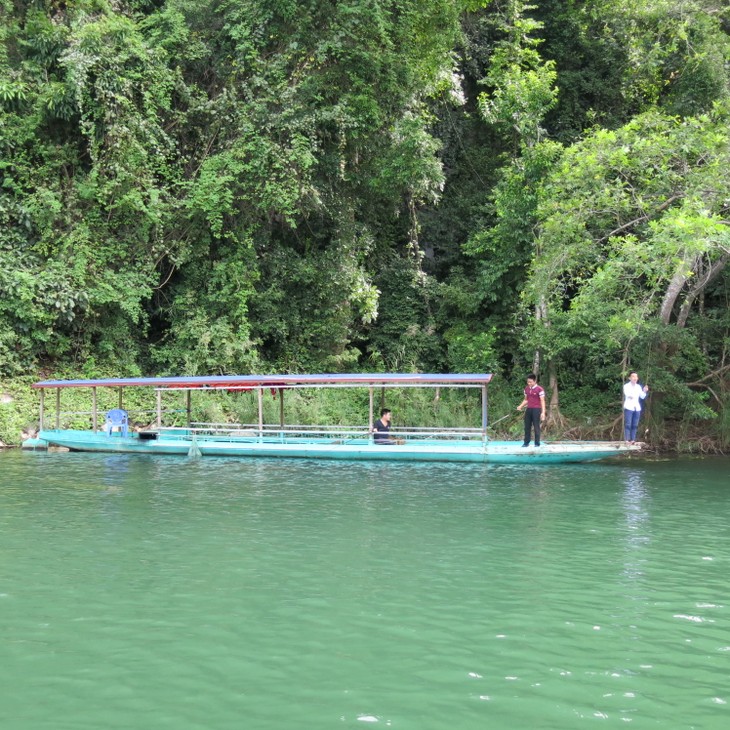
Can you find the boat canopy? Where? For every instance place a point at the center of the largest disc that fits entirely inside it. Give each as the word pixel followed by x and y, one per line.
pixel 247 382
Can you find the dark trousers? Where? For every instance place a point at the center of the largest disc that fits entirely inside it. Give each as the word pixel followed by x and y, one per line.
pixel 631 423
pixel 532 420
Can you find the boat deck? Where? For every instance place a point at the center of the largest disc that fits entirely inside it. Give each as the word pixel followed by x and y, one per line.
pixel 191 442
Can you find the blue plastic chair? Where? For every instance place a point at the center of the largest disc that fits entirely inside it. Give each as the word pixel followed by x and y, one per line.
pixel 117 418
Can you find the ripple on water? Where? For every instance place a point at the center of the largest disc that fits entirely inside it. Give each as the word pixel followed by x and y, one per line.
pixel 142 592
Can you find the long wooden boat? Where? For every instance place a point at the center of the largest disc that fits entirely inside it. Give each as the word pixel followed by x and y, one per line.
pixel 281 440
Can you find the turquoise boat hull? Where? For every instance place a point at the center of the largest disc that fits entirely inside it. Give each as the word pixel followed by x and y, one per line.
pixel 182 442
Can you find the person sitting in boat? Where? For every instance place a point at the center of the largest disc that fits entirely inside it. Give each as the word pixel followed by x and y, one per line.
pixel 381 428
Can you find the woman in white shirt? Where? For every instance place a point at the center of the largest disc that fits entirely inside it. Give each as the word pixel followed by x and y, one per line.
pixel 633 395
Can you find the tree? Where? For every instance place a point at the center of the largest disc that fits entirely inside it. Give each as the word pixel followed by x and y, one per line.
pixel 521 92
pixel 633 230
pixel 155 150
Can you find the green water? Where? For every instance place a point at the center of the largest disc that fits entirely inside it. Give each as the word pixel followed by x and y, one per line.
pixel 152 592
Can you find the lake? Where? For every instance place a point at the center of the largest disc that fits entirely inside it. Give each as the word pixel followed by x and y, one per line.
pixel 160 592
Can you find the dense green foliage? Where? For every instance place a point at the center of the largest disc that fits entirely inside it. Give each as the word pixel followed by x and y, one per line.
pixel 210 186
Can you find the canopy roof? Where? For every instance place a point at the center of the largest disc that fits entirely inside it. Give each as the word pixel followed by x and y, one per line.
pixel 246 382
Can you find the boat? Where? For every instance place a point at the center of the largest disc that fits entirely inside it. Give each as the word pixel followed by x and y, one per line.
pixel 112 431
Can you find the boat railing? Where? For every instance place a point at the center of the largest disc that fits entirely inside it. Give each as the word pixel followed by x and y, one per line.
pixel 327 433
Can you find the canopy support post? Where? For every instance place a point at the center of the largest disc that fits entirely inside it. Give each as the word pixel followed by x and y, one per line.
pixel 58 409
pixel 371 410
pixel 94 411
pixel 159 408
pixel 260 392
pixel 42 414
pixel 188 405
pixel 281 407
pixel 484 413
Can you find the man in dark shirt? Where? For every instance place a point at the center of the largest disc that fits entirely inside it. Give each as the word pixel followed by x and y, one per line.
pixel 535 411
pixel 381 428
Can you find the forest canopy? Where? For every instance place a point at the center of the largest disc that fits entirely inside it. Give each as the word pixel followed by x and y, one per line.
pixel 219 186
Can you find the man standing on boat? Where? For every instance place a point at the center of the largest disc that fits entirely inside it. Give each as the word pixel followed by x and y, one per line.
pixel 381 428
pixel 535 411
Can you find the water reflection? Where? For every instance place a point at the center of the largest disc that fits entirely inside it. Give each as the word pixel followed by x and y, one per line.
pixel 115 470
pixel 634 502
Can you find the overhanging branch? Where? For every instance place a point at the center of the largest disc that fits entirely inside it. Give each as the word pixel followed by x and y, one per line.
pixel 640 219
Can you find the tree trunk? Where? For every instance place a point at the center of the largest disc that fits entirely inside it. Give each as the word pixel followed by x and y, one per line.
pixel 541 315
pixel 683 272
pixel 554 416
pixel 705 279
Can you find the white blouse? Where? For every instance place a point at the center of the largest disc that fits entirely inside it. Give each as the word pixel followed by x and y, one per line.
pixel 633 395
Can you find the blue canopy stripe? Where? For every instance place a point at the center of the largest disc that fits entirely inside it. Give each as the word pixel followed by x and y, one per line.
pixel 279 381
